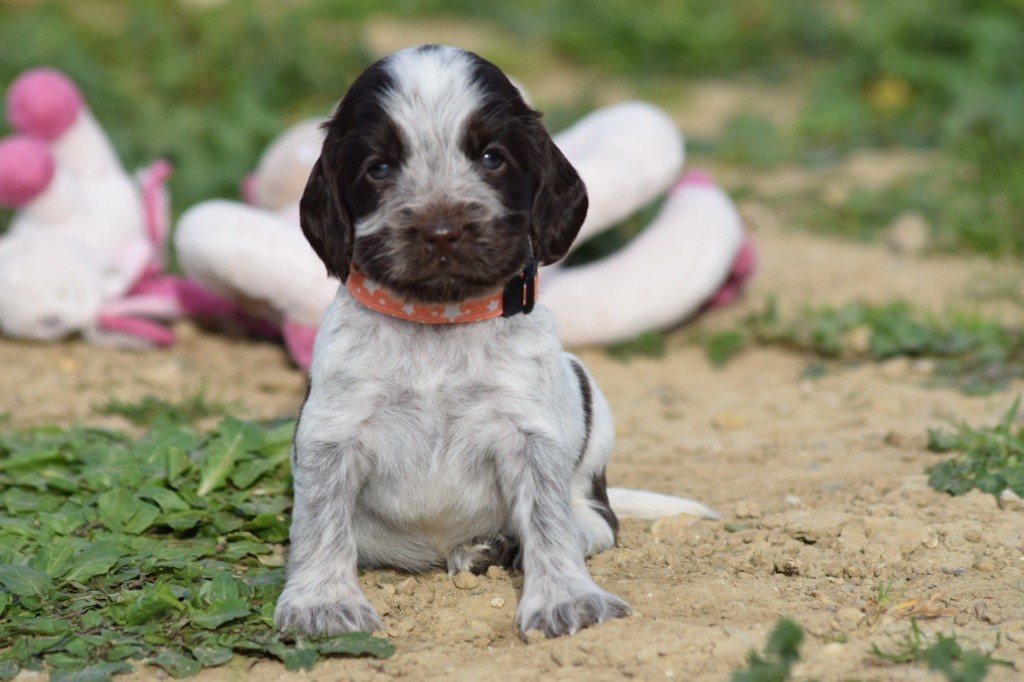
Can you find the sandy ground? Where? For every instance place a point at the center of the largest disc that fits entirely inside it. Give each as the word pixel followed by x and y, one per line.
pixel 825 475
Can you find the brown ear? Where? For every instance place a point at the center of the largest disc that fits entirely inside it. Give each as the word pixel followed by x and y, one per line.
pixel 559 202
pixel 326 223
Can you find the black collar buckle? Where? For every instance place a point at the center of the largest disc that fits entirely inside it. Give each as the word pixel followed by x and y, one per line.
pixel 521 291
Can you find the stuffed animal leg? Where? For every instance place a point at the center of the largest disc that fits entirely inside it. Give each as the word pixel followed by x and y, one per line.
pixel 259 261
pixel 663 276
pixel 281 173
pixel 627 155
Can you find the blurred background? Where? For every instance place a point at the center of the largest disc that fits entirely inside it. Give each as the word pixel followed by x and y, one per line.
pixel 844 116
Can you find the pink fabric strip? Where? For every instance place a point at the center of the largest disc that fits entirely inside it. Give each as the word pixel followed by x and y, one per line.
pixel 134 326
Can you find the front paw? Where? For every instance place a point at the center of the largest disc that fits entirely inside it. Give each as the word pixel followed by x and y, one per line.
pixel 568 613
pixel 314 617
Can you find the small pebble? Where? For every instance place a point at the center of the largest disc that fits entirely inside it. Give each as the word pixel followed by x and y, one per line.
pixel 464 580
pixel 729 421
pixel 497 602
pixel 908 234
pixel 67 365
pixel 833 649
pixel 985 564
pixel 858 339
pixel 534 636
pixel 747 509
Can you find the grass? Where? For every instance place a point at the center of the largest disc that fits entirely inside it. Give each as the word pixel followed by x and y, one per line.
pixel 945 655
pixel 164 550
pixel 972 353
pixel 152 410
pixel 208 87
pixel 990 459
pixel 649 344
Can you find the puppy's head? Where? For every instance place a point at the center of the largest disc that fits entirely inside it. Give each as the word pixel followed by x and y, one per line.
pixel 438 180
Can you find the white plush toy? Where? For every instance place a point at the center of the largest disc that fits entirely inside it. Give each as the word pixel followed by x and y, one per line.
pixel 627 155
pixel 84 251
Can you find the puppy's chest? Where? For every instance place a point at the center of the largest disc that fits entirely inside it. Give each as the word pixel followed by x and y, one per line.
pixel 425 424
pixel 430 405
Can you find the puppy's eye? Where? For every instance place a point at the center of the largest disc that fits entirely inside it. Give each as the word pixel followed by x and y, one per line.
pixel 379 171
pixel 492 160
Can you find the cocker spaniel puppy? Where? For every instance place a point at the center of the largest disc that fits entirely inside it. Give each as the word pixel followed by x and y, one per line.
pixel 444 425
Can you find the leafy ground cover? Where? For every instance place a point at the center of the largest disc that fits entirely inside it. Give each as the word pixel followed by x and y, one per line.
pixel 943 654
pixel 164 550
pixel 973 353
pixel 989 458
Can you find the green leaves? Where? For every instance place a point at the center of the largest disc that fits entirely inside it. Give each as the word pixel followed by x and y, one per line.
pixel 96 559
pixel 154 602
pixel 650 344
pixel 221 612
pixel 24 581
pixel 945 655
pixel 990 459
pixel 781 652
pixel 973 354
pixel 110 555
pixel 234 439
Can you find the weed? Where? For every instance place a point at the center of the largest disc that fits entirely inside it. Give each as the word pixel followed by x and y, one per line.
pixel 164 550
pixel 945 655
pixel 780 653
pixel 650 344
pixel 991 459
pixel 974 354
pixel 152 410
pixel 753 141
pixel 888 600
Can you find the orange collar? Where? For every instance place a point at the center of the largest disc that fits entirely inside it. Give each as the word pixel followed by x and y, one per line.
pixel 517 297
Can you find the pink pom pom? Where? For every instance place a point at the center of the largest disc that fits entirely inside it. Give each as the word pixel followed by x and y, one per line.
pixel 694 178
pixel 26 169
pixel 43 102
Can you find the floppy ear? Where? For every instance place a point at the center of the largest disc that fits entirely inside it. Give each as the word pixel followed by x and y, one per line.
pixel 326 222
pixel 559 201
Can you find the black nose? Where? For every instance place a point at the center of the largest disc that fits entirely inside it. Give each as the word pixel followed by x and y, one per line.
pixel 442 235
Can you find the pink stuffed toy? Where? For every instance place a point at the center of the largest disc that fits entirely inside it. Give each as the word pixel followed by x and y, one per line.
pixel 693 255
pixel 84 251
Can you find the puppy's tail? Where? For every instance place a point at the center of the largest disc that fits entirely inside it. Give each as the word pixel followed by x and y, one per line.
pixel 640 504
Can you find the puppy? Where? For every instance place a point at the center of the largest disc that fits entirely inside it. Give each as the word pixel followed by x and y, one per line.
pixel 444 425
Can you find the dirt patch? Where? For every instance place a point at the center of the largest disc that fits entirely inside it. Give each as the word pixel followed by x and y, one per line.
pixel 821 480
